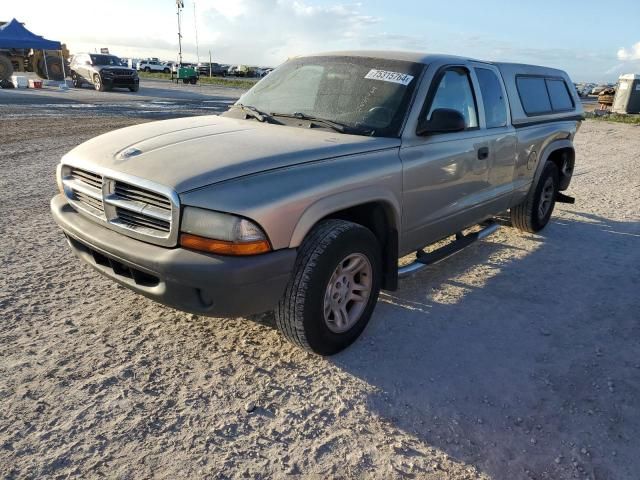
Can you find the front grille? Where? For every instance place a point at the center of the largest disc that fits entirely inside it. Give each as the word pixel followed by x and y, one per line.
pixel 139 212
pixel 123 73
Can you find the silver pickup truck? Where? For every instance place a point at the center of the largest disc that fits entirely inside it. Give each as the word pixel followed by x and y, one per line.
pixel 303 196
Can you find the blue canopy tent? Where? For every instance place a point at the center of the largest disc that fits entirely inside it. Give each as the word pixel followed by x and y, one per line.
pixel 15 35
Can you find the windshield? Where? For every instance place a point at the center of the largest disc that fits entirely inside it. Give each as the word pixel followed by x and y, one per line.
pixel 111 60
pixel 364 93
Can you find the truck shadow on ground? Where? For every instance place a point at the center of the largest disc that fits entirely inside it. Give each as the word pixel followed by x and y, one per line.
pixel 500 358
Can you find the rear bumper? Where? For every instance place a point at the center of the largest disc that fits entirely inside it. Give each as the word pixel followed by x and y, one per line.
pixel 183 279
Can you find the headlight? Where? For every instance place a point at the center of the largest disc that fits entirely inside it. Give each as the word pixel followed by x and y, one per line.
pixel 221 233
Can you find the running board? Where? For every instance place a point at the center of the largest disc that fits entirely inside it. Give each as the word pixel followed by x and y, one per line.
pixel 424 259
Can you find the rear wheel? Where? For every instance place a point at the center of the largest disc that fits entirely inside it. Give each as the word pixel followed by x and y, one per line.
pixel 166 70
pixel 333 289
pixel 533 214
pixel 77 80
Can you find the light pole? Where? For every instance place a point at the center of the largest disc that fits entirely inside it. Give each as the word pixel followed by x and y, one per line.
pixel 180 6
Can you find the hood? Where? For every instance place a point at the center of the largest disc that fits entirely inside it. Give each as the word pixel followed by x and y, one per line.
pixel 189 153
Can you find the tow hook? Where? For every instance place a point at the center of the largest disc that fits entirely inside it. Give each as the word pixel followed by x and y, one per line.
pixel 562 198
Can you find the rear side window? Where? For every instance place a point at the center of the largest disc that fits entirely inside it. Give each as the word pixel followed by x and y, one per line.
pixel 541 95
pixel 560 98
pixel 495 109
pixel 534 95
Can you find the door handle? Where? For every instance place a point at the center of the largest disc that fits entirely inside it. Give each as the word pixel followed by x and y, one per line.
pixel 483 153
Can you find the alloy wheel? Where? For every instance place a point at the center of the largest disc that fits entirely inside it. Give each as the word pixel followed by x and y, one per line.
pixel 348 292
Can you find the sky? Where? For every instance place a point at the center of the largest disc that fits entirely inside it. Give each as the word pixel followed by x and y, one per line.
pixel 566 34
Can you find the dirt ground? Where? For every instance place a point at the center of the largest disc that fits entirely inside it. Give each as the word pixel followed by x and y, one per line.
pixel 518 358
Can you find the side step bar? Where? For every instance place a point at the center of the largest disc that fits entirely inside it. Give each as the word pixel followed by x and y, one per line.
pixel 424 259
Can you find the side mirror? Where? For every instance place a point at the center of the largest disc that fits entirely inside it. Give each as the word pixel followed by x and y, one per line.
pixel 443 120
pixel 87 62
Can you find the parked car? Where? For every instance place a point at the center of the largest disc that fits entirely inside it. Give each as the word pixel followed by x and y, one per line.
pixel 154 65
pixel 597 90
pixel 103 72
pixel 239 71
pixel 363 158
pixel 213 69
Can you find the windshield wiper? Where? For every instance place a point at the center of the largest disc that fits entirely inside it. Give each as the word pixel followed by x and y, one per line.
pixel 337 126
pixel 252 112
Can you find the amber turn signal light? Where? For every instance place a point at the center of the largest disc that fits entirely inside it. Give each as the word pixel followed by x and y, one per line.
pixel 220 247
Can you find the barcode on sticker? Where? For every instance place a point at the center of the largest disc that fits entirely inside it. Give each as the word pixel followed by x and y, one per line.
pixel 393 77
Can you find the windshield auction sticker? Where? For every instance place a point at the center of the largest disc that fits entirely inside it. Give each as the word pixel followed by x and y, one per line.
pixel 393 77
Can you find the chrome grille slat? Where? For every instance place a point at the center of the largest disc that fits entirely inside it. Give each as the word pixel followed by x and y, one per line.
pixel 91 201
pixel 78 186
pixel 92 179
pixel 134 218
pixel 137 194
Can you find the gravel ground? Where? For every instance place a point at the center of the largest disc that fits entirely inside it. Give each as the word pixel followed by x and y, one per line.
pixel 517 358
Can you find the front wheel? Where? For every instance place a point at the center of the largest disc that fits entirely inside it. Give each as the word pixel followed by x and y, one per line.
pixel 98 84
pixel 333 289
pixel 135 88
pixel 533 214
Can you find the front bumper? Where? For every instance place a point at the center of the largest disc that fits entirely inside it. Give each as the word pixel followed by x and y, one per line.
pixel 121 82
pixel 195 282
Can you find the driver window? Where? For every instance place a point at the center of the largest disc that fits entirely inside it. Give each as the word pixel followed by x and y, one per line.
pixel 455 92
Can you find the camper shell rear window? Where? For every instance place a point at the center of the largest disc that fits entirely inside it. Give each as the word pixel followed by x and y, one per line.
pixel 541 95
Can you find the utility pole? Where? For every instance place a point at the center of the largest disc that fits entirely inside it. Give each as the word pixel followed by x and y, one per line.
pixel 195 22
pixel 180 5
pixel 209 63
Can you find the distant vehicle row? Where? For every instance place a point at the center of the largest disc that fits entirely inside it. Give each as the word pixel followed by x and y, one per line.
pixel 105 71
pixel 591 89
pixel 204 68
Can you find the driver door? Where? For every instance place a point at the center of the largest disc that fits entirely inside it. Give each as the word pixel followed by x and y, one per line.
pixel 446 185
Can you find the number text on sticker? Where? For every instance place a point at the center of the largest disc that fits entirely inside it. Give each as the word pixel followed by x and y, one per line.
pixel 393 77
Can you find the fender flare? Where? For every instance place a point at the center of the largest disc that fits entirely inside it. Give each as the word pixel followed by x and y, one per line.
pixel 546 153
pixel 341 201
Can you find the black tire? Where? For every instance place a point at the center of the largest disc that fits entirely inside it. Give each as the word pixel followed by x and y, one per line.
pixel 147 69
pixel 527 216
pixel 135 88
pixel 98 84
pixel 300 315
pixel 6 68
pixel 55 69
pixel 193 81
pixel 166 70
pixel 77 80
